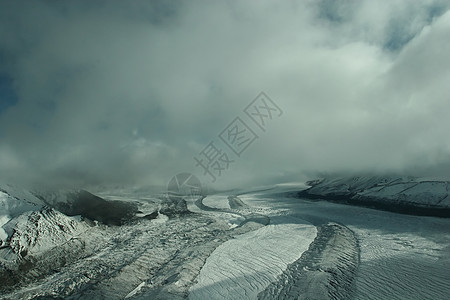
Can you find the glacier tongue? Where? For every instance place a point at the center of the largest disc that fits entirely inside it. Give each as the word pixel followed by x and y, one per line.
pixel 325 271
pixel 242 267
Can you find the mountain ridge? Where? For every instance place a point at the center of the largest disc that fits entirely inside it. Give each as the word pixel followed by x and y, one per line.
pixel 408 195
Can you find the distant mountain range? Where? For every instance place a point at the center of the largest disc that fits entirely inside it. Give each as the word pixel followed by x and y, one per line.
pixel 407 195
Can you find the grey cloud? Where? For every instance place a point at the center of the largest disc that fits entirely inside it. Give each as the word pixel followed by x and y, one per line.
pixel 112 92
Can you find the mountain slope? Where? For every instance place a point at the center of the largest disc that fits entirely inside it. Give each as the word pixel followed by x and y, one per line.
pixel 35 239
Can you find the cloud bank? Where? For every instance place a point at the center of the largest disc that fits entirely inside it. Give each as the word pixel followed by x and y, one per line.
pixel 127 93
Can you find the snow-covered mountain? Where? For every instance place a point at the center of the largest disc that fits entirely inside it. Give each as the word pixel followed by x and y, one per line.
pixel 41 231
pixel 34 237
pixel 13 203
pixel 401 194
pixel 81 202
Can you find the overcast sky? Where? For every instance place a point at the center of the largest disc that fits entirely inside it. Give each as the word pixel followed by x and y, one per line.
pixel 118 92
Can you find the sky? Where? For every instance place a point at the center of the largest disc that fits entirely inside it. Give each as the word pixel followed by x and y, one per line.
pixel 118 93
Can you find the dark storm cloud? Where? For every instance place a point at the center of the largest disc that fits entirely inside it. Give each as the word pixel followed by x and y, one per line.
pixel 128 92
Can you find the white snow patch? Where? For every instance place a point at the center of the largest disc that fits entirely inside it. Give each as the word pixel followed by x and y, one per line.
pixel 217 201
pixel 136 290
pixel 77 218
pixel 161 218
pixel 3 220
pixel 234 220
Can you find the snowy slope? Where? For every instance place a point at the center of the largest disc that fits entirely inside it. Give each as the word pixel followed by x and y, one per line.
pixel 35 239
pixel 35 232
pixel 13 203
pixel 400 194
